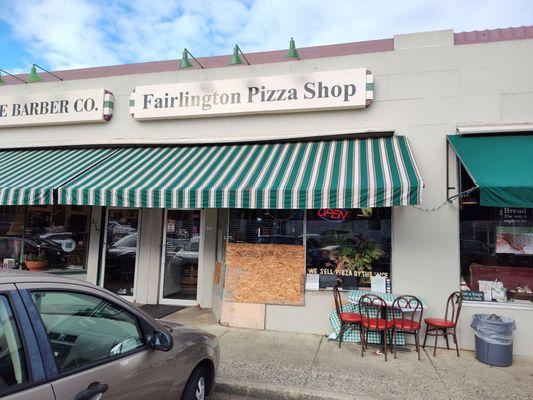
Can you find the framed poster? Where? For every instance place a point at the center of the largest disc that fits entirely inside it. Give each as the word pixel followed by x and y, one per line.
pixel 514 231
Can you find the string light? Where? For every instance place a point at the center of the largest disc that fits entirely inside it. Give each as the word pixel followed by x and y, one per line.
pixel 449 200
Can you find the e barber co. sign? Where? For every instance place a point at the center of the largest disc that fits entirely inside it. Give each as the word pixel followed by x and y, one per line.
pixel 331 90
pixel 83 106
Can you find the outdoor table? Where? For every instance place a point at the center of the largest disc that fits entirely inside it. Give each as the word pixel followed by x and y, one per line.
pixel 351 334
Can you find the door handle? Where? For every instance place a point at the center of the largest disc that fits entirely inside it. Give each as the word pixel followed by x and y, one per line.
pixel 93 390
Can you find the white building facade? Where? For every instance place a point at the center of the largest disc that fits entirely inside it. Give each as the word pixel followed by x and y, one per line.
pixel 426 86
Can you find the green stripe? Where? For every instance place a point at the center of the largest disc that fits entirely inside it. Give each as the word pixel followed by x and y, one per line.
pixel 411 173
pixel 395 174
pixel 26 174
pixel 186 176
pixel 379 174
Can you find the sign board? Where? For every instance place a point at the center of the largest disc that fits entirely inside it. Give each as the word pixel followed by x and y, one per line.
pixel 514 231
pixel 472 295
pixel 75 107
pixel 333 214
pixel 328 90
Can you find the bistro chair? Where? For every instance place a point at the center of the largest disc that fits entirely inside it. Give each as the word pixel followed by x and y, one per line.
pixel 374 312
pixel 345 318
pixel 407 317
pixel 439 326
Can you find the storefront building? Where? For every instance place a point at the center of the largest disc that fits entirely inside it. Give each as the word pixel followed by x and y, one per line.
pixel 250 189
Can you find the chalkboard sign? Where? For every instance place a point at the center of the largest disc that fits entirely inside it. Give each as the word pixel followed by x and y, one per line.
pixel 471 295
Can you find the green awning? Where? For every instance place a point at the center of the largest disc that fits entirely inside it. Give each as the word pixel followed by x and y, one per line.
pixel 501 166
pixel 350 173
pixel 30 176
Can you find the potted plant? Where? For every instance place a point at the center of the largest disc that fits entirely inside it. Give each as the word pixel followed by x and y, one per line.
pixel 357 258
pixel 36 262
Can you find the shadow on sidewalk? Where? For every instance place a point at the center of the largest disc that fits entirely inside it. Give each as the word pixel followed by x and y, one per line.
pixel 260 363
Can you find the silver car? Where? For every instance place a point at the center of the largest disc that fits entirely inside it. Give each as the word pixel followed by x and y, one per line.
pixel 64 339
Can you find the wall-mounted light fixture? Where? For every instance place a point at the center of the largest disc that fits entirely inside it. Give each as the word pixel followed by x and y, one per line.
pixel 2 82
pixel 236 58
pixel 185 62
pixel 34 76
pixel 292 53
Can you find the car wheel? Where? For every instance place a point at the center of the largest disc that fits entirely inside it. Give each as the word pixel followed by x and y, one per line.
pixel 197 385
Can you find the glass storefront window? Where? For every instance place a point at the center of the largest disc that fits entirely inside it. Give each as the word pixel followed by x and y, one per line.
pixel 266 226
pixel 180 280
pixel 56 238
pixel 496 247
pixel 496 250
pixel 351 245
pixel 11 235
pixel 44 238
pixel 122 245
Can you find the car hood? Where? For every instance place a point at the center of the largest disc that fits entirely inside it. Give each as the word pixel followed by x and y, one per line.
pixel 179 330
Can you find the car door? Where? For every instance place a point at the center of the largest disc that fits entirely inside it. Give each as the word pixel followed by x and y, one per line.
pixel 97 345
pixel 22 375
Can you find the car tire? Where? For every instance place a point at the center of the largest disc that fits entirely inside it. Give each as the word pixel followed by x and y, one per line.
pixel 197 387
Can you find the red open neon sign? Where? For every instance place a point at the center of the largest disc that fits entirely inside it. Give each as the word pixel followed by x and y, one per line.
pixel 333 214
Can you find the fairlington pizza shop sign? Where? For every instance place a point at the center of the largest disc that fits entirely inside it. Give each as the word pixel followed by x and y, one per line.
pixel 329 90
pixel 82 106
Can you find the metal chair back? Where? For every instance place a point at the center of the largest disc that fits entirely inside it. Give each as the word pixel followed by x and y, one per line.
pixel 338 300
pixel 453 307
pixel 372 306
pixel 406 310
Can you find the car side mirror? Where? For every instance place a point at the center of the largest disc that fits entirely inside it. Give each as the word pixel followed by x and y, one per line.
pixel 161 341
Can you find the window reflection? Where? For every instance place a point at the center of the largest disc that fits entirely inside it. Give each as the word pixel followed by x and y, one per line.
pixel 497 252
pixel 121 251
pixel 266 226
pixel 348 244
pixel 181 254
pixel 45 238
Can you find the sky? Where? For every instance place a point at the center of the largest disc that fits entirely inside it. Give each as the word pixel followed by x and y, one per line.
pixel 67 34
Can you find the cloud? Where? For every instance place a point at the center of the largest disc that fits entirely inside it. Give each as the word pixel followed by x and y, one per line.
pixel 70 34
pixel 63 33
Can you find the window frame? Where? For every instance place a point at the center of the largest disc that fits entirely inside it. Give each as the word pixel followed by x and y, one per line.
pixel 199 290
pixel 34 367
pixel 501 260
pixel 305 221
pixel 58 271
pixel 45 344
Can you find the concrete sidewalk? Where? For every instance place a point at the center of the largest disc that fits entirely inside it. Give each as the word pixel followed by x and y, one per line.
pixel 284 365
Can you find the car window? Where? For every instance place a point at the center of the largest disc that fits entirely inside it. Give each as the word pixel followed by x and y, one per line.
pixel 13 369
pixel 84 328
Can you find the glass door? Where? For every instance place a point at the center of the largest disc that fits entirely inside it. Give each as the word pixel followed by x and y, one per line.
pixel 179 280
pixel 121 251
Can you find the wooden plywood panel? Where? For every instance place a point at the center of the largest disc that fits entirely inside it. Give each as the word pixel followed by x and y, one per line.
pixel 265 273
pixel 243 315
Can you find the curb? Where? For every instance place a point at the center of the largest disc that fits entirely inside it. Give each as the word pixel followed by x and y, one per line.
pixel 262 391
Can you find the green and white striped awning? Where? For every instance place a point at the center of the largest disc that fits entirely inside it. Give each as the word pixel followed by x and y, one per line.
pixel 351 173
pixel 30 176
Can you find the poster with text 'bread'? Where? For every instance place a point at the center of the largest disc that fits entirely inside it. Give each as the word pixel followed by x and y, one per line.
pixel 265 273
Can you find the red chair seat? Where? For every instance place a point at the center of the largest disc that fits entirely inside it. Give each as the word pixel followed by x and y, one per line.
pixel 406 325
pixel 439 322
pixel 351 317
pixel 379 324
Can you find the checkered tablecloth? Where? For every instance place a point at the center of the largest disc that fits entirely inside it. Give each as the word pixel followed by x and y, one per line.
pixel 351 334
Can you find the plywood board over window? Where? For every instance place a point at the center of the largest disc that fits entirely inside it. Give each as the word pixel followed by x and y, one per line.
pixel 265 273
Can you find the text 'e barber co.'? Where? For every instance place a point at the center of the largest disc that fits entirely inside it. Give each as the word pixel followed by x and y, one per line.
pixel 329 90
pixel 82 106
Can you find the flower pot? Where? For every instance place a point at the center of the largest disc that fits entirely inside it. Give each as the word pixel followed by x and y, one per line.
pixel 36 265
